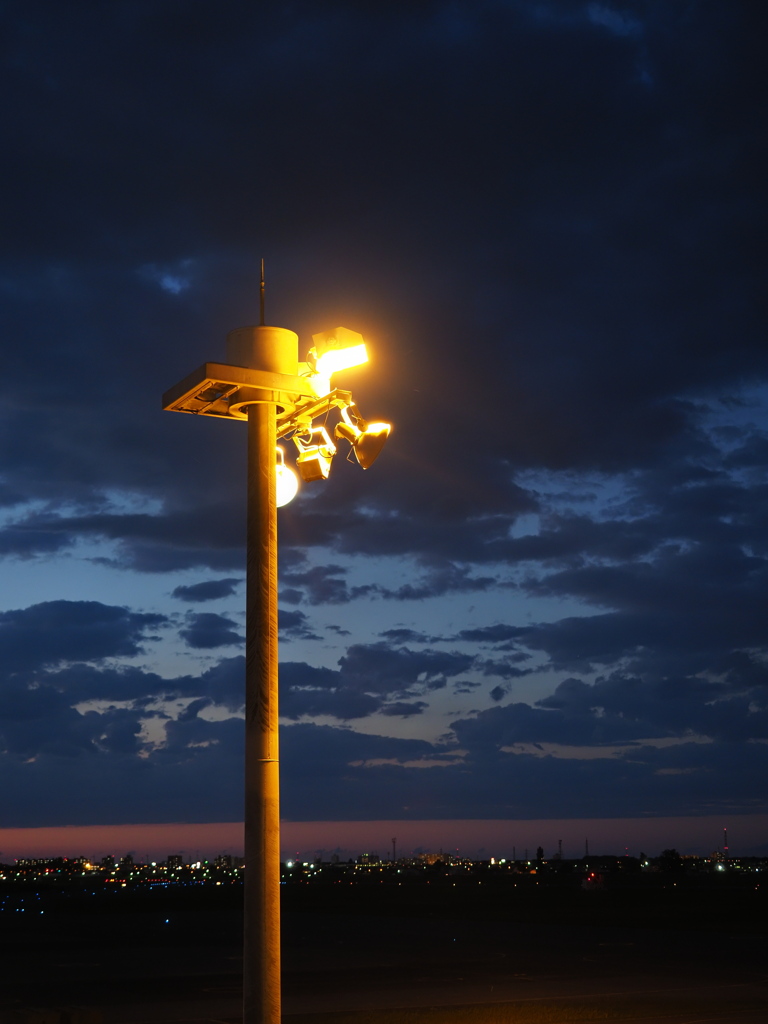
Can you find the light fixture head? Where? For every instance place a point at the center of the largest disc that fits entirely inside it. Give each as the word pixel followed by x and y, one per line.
pixel 336 350
pixel 367 439
pixel 286 481
pixel 316 450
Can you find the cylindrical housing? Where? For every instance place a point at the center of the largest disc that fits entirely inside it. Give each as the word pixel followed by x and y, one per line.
pixel 264 348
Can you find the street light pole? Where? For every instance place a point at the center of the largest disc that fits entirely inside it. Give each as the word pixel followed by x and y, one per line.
pixel 271 350
pixel 265 384
pixel 261 904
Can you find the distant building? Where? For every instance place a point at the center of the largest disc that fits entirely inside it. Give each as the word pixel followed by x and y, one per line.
pixel 430 858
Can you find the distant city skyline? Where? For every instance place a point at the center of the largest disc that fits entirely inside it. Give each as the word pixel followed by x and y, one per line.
pixel 748 836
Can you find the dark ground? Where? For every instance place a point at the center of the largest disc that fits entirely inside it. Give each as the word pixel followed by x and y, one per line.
pixel 176 955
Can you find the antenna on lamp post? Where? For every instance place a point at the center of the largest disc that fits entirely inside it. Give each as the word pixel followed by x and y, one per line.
pixel 261 296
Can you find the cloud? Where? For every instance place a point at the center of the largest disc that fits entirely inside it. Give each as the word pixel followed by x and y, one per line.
pixel 309 691
pixel 673 611
pixel 404 709
pixel 207 630
pixel 379 668
pixel 342 703
pixel 518 723
pixel 568 336
pixel 306 690
pixel 63 733
pixel 201 782
pixel 298 674
pixel 500 633
pixel 79 683
pixel 592 220
pixel 679 707
pixel 326 585
pixel 403 635
pixel 54 632
pixel 359 776
pixel 223 682
pixel 174 279
pixel 27 543
pixel 294 626
pixel 504 669
pixel 208 590
pixel 144 542
pixel 621 710
pixel 617 22
pixel 442 577
pixel 360 771
pixel 369 676
pixel 320 585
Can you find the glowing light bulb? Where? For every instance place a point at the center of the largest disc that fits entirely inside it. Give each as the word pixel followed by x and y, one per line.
pixel 339 349
pixel 286 481
pixel 341 359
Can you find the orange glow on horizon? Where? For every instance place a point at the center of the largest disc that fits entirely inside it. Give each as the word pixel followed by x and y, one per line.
pixel 473 838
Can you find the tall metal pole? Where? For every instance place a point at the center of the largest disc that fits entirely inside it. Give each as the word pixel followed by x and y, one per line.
pixel 262 376
pixel 261 945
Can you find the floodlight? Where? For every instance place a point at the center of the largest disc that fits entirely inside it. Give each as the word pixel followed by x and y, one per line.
pixel 316 449
pixel 286 481
pixel 367 439
pixel 336 350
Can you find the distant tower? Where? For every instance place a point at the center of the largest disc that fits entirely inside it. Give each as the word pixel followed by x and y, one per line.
pixel 394 848
pixel 725 843
pixel 559 849
pixel 586 847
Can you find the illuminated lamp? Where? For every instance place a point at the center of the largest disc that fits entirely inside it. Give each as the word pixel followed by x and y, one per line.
pixel 286 481
pixel 367 439
pixel 335 350
pixel 316 449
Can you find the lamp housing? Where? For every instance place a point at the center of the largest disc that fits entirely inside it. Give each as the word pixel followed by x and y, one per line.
pixel 316 451
pixel 338 349
pixel 367 439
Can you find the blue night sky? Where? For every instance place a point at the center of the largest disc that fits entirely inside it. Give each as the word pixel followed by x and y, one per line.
pixel 547 599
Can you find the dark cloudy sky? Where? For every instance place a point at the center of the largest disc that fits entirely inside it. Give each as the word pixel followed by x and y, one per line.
pixel 547 599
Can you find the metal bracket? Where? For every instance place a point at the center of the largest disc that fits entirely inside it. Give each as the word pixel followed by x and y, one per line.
pixel 218 389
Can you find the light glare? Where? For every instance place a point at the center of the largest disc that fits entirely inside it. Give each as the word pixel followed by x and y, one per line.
pixel 336 359
pixel 286 481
